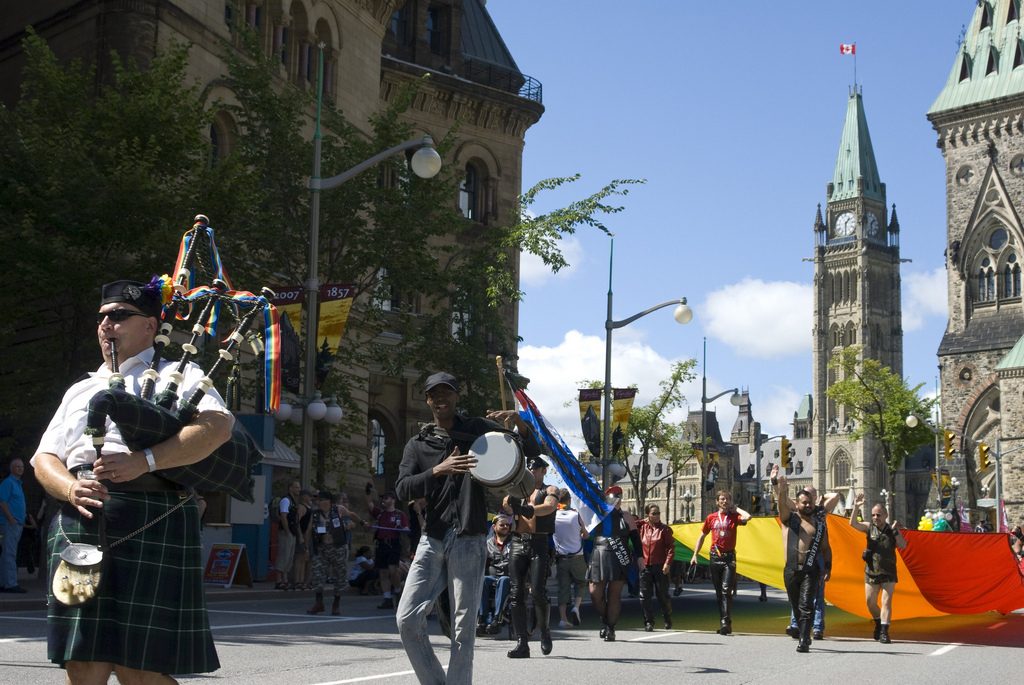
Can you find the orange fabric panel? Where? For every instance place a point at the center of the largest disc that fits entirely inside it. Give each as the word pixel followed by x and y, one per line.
pixel 846 587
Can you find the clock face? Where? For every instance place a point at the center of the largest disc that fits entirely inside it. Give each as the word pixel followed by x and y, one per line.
pixel 845 224
pixel 873 225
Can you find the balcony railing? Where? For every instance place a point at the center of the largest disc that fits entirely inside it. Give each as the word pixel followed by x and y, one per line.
pixel 499 77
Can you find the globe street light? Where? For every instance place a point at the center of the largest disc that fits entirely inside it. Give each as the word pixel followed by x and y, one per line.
pixel 425 163
pixel 683 315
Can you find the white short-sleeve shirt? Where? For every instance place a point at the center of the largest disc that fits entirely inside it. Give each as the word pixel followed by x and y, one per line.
pixel 65 436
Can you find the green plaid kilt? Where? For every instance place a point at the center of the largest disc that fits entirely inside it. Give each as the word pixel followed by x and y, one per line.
pixel 150 612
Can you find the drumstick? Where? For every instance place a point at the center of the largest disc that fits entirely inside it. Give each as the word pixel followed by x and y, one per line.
pixel 501 381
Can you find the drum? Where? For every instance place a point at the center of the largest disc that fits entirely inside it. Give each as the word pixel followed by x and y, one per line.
pixel 500 464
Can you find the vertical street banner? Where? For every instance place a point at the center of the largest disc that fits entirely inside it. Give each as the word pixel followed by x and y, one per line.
pixel 335 305
pixel 945 487
pixel 590 419
pixel 622 409
pixel 289 306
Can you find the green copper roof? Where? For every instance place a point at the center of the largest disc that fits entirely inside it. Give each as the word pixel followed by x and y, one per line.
pixel 804 410
pixel 1014 359
pixel 990 62
pixel 856 157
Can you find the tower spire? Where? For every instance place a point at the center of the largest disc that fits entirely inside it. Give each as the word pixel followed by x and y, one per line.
pixel 856 172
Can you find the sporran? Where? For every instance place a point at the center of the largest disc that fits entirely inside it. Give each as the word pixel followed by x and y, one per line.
pixel 78 575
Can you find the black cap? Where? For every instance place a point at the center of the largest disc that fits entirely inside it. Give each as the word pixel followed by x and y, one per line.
pixel 536 463
pixel 324 494
pixel 134 293
pixel 441 378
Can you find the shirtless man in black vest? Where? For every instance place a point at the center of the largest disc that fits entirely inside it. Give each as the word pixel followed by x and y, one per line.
pixel 804 537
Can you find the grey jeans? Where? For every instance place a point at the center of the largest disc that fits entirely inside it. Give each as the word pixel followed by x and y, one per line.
pixel 456 562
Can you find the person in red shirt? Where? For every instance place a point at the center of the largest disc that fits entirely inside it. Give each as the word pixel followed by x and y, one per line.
pixel 658 547
pixel 390 525
pixel 722 526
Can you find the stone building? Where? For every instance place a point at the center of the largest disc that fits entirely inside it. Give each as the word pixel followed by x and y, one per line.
pixel 979 120
pixel 856 302
pixel 371 48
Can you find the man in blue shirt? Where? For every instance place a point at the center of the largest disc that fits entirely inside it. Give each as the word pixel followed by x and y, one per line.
pixel 12 522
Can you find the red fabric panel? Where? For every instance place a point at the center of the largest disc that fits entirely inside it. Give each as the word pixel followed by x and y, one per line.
pixel 964 573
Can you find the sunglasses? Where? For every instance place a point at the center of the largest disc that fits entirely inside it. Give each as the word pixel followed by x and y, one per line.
pixel 117 315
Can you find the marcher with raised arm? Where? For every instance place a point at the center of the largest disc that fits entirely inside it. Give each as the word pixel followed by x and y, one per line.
pixel 883 539
pixel 804 537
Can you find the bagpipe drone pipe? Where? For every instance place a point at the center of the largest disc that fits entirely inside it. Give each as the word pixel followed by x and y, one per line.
pixel 143 422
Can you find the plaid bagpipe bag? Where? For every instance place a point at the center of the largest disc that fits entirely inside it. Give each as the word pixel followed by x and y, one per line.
pixel 143 424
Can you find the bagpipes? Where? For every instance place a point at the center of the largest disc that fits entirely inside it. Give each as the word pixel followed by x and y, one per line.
pixel 144 420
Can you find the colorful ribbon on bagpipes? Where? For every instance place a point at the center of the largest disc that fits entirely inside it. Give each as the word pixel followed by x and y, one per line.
pixel 271 333
pixel 214 256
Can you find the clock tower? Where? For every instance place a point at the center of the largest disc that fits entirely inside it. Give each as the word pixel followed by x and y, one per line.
pixel 856 302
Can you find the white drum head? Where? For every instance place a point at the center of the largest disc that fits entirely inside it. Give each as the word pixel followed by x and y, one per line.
pixel 499 459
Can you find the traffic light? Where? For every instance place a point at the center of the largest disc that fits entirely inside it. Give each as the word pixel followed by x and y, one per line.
pixel 784 453
pixel 982 456
pixel 947 440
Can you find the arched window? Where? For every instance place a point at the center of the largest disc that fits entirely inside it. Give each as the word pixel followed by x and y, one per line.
pixel 1011 277
pixel 840 472
pixel 469 193
pixel 986 281
pixel 378 445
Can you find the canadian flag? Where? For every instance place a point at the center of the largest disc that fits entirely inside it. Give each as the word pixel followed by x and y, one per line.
pixel 847 48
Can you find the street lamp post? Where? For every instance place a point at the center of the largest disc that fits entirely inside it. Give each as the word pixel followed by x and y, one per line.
pixel 683 315
pixel 687 498
pixel 425 163
pixel 735 400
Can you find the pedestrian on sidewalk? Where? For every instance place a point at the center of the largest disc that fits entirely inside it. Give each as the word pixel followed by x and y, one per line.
pixel 12 523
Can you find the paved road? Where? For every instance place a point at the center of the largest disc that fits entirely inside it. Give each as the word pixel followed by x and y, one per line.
pixel 265 637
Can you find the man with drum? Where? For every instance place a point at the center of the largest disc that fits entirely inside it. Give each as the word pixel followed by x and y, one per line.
pixel 148 616
pixel 452 552
pixel 531 562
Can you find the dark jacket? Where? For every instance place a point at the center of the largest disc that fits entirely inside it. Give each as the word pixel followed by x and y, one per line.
pixel 455 501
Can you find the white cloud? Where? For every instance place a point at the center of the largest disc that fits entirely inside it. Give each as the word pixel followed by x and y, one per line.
pixel 556 374
pixel 534 273
pixel 760 319
pixel 924 295
pixel 774 409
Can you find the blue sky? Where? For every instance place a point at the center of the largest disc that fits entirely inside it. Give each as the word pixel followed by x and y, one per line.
pixel 732 112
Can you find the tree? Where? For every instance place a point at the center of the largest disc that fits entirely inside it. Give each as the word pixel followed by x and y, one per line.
pixel 100 179
pixel 879 402
pixel 650 432
pixel 96 181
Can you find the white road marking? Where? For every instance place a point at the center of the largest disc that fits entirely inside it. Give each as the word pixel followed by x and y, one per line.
pixel 321 621
pixel 367 678
pixel 942 650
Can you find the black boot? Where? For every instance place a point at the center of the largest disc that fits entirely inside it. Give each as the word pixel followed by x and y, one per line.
pixel 521 650
pixel 609 635
pixel 883 634
pixel 336 606
pixel 318 605
pixel 545 642
pixel 726 627
pixel 805 635
pixel 878 628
